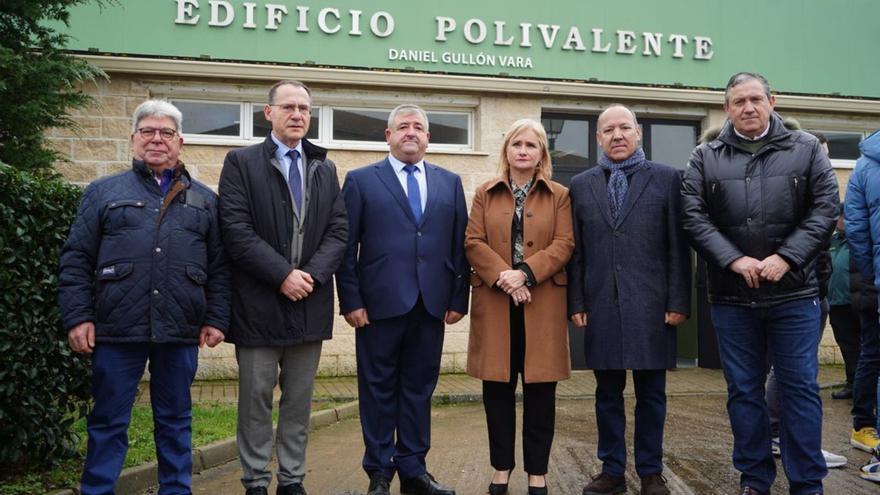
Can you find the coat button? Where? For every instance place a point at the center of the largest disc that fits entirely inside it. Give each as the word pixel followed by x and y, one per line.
pixel 529 214
pixel 155 292
pixel 619 267
pixel 530 244
pixel 419 234
pixel 158 250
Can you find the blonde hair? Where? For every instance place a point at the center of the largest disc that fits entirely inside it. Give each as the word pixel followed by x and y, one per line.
pixel 545 166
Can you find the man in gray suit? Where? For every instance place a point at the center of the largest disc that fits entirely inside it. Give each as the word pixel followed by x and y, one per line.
pixel 629 285
pixel 285 230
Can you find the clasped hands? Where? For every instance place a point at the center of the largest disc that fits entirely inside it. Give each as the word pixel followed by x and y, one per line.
pixel 513 283
pixel 298 285
pixel 771 269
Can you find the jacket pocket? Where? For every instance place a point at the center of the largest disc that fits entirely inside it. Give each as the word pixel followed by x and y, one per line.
pixel 115 272
pixel 195 313
pixel 125 213
pixel 798 187
pixel 196 274
pixel 111 290
pixel 712 195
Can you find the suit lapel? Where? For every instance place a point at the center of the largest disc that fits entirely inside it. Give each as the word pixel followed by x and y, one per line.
pixel 431 177
pixel 637 186
pixel 600 191
pixel 386 174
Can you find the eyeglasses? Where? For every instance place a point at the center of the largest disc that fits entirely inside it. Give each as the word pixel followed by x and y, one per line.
pixel 289 108
pixel 165 133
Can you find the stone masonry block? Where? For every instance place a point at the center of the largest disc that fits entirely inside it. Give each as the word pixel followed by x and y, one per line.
pixel 78 173
pixel 116 128
pixel 96 150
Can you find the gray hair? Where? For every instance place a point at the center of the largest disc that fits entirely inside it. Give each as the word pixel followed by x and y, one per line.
pixel 407 109
pixel 157 108
pixel 744 77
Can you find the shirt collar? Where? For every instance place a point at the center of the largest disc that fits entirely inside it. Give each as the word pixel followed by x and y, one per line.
pixel 282 150
pixel 758 138
pixel 398 165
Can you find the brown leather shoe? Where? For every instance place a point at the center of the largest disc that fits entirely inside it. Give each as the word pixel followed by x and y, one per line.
pixel 654 484
pixel 605 484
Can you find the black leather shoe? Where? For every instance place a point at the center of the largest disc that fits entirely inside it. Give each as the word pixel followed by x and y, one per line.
pixel 256 490
pixel 538 490
pixel 291 489
pixel 499 488
pixel 424 485
pixel 844 393
pixel 378 485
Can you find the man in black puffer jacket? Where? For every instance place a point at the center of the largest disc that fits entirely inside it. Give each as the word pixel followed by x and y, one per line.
pixel 760 202
pixel 143 278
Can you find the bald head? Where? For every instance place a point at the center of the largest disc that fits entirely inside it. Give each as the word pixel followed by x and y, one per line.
pixel 617 107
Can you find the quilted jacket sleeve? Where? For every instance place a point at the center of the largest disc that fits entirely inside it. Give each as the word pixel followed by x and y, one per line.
pixel 76 280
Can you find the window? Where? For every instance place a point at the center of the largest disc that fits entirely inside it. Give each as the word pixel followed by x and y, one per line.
pixel 228 123
pixel 366 127
pixel 843 147
pixel 210 119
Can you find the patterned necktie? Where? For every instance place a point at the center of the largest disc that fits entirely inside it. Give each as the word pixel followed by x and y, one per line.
pixel 294 179
pixel 413 193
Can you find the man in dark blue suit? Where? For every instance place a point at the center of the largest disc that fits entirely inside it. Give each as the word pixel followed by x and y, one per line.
pixel 403 277
pixel 629 285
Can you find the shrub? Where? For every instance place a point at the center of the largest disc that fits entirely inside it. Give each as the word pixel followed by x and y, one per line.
pixel 44 386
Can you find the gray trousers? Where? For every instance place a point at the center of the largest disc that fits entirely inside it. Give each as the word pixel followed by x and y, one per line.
pixel 258 373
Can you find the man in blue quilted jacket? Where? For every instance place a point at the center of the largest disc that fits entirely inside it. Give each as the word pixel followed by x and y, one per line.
pixel 143 280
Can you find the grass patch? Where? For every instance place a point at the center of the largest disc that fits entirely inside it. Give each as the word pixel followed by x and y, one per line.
pixel 211 422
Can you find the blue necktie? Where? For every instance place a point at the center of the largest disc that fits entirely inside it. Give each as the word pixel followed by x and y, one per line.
pixel 294 179
pixel 413 193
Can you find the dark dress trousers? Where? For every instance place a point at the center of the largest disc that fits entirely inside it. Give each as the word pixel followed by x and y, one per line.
pixel 406 275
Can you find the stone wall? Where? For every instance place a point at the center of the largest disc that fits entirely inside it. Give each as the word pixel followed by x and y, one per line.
pixel 102 147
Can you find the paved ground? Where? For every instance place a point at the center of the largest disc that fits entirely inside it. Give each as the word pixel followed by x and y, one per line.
pixel 697 454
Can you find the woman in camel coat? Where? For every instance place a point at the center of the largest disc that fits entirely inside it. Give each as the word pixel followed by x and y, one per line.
pixel 519 238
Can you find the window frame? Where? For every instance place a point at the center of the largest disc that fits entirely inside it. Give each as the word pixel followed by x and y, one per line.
pixel 325 114
pixel 244 120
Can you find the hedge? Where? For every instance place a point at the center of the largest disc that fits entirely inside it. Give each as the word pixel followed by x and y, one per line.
pixel 44 386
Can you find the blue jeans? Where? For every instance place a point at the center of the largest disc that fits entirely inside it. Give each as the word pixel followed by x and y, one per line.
pixel 772 387
pixel 789 334
pixel 864 410
pixel 116 371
